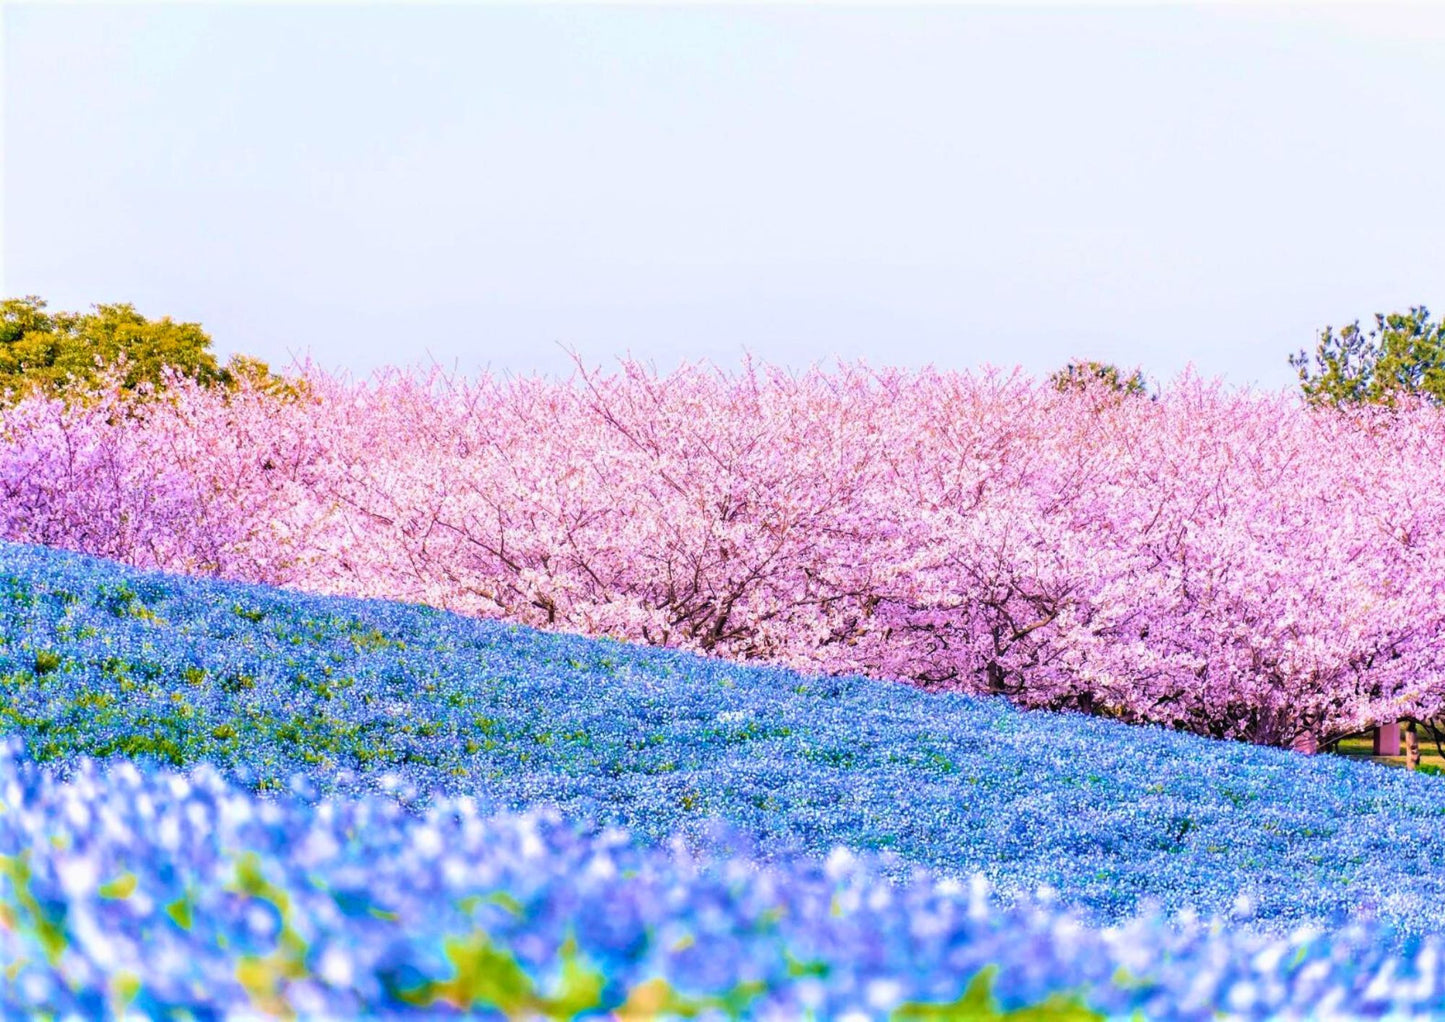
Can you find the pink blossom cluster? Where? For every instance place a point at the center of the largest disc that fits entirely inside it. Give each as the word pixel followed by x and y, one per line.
pixel 1233 564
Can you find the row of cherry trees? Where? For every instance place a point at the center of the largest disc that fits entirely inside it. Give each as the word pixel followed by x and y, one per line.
pixel 1232 564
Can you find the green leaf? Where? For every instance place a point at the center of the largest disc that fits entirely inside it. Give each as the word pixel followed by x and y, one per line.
pixel 978 1004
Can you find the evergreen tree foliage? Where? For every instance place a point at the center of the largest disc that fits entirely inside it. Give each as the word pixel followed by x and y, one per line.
pixel 1403 355
pixel 1084 374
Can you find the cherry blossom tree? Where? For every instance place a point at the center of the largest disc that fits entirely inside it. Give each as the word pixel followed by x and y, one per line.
pixel 1239 565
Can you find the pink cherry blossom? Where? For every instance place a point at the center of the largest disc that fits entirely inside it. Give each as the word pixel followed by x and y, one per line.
pixel 1233 564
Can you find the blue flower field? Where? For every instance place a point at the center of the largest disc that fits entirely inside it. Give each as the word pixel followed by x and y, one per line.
pixel 219 799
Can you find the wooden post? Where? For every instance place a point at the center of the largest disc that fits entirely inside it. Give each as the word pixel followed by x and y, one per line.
pixel 1387 739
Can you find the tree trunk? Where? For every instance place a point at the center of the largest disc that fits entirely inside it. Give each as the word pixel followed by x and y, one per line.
pixel 1305 743
pixel 1412 747
pixel 1387 740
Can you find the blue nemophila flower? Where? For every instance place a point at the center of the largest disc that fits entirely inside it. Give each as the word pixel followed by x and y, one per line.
pixel 328 701
pixel 354 906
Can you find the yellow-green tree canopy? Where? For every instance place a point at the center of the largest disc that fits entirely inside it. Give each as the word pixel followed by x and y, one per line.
pixel 1085 374
pixel 57 352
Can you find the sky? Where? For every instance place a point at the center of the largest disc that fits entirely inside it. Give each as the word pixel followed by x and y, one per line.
pixel 489 187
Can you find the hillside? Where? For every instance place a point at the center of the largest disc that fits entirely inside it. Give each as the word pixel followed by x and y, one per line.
pixel 284 691
pixel 220 797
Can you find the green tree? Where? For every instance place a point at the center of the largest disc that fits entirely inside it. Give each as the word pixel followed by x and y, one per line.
pixel 1404 354
pixel 1082 375
pixel 63 351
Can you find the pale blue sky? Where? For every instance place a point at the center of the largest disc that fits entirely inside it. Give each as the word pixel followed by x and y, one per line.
pixel 954 185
